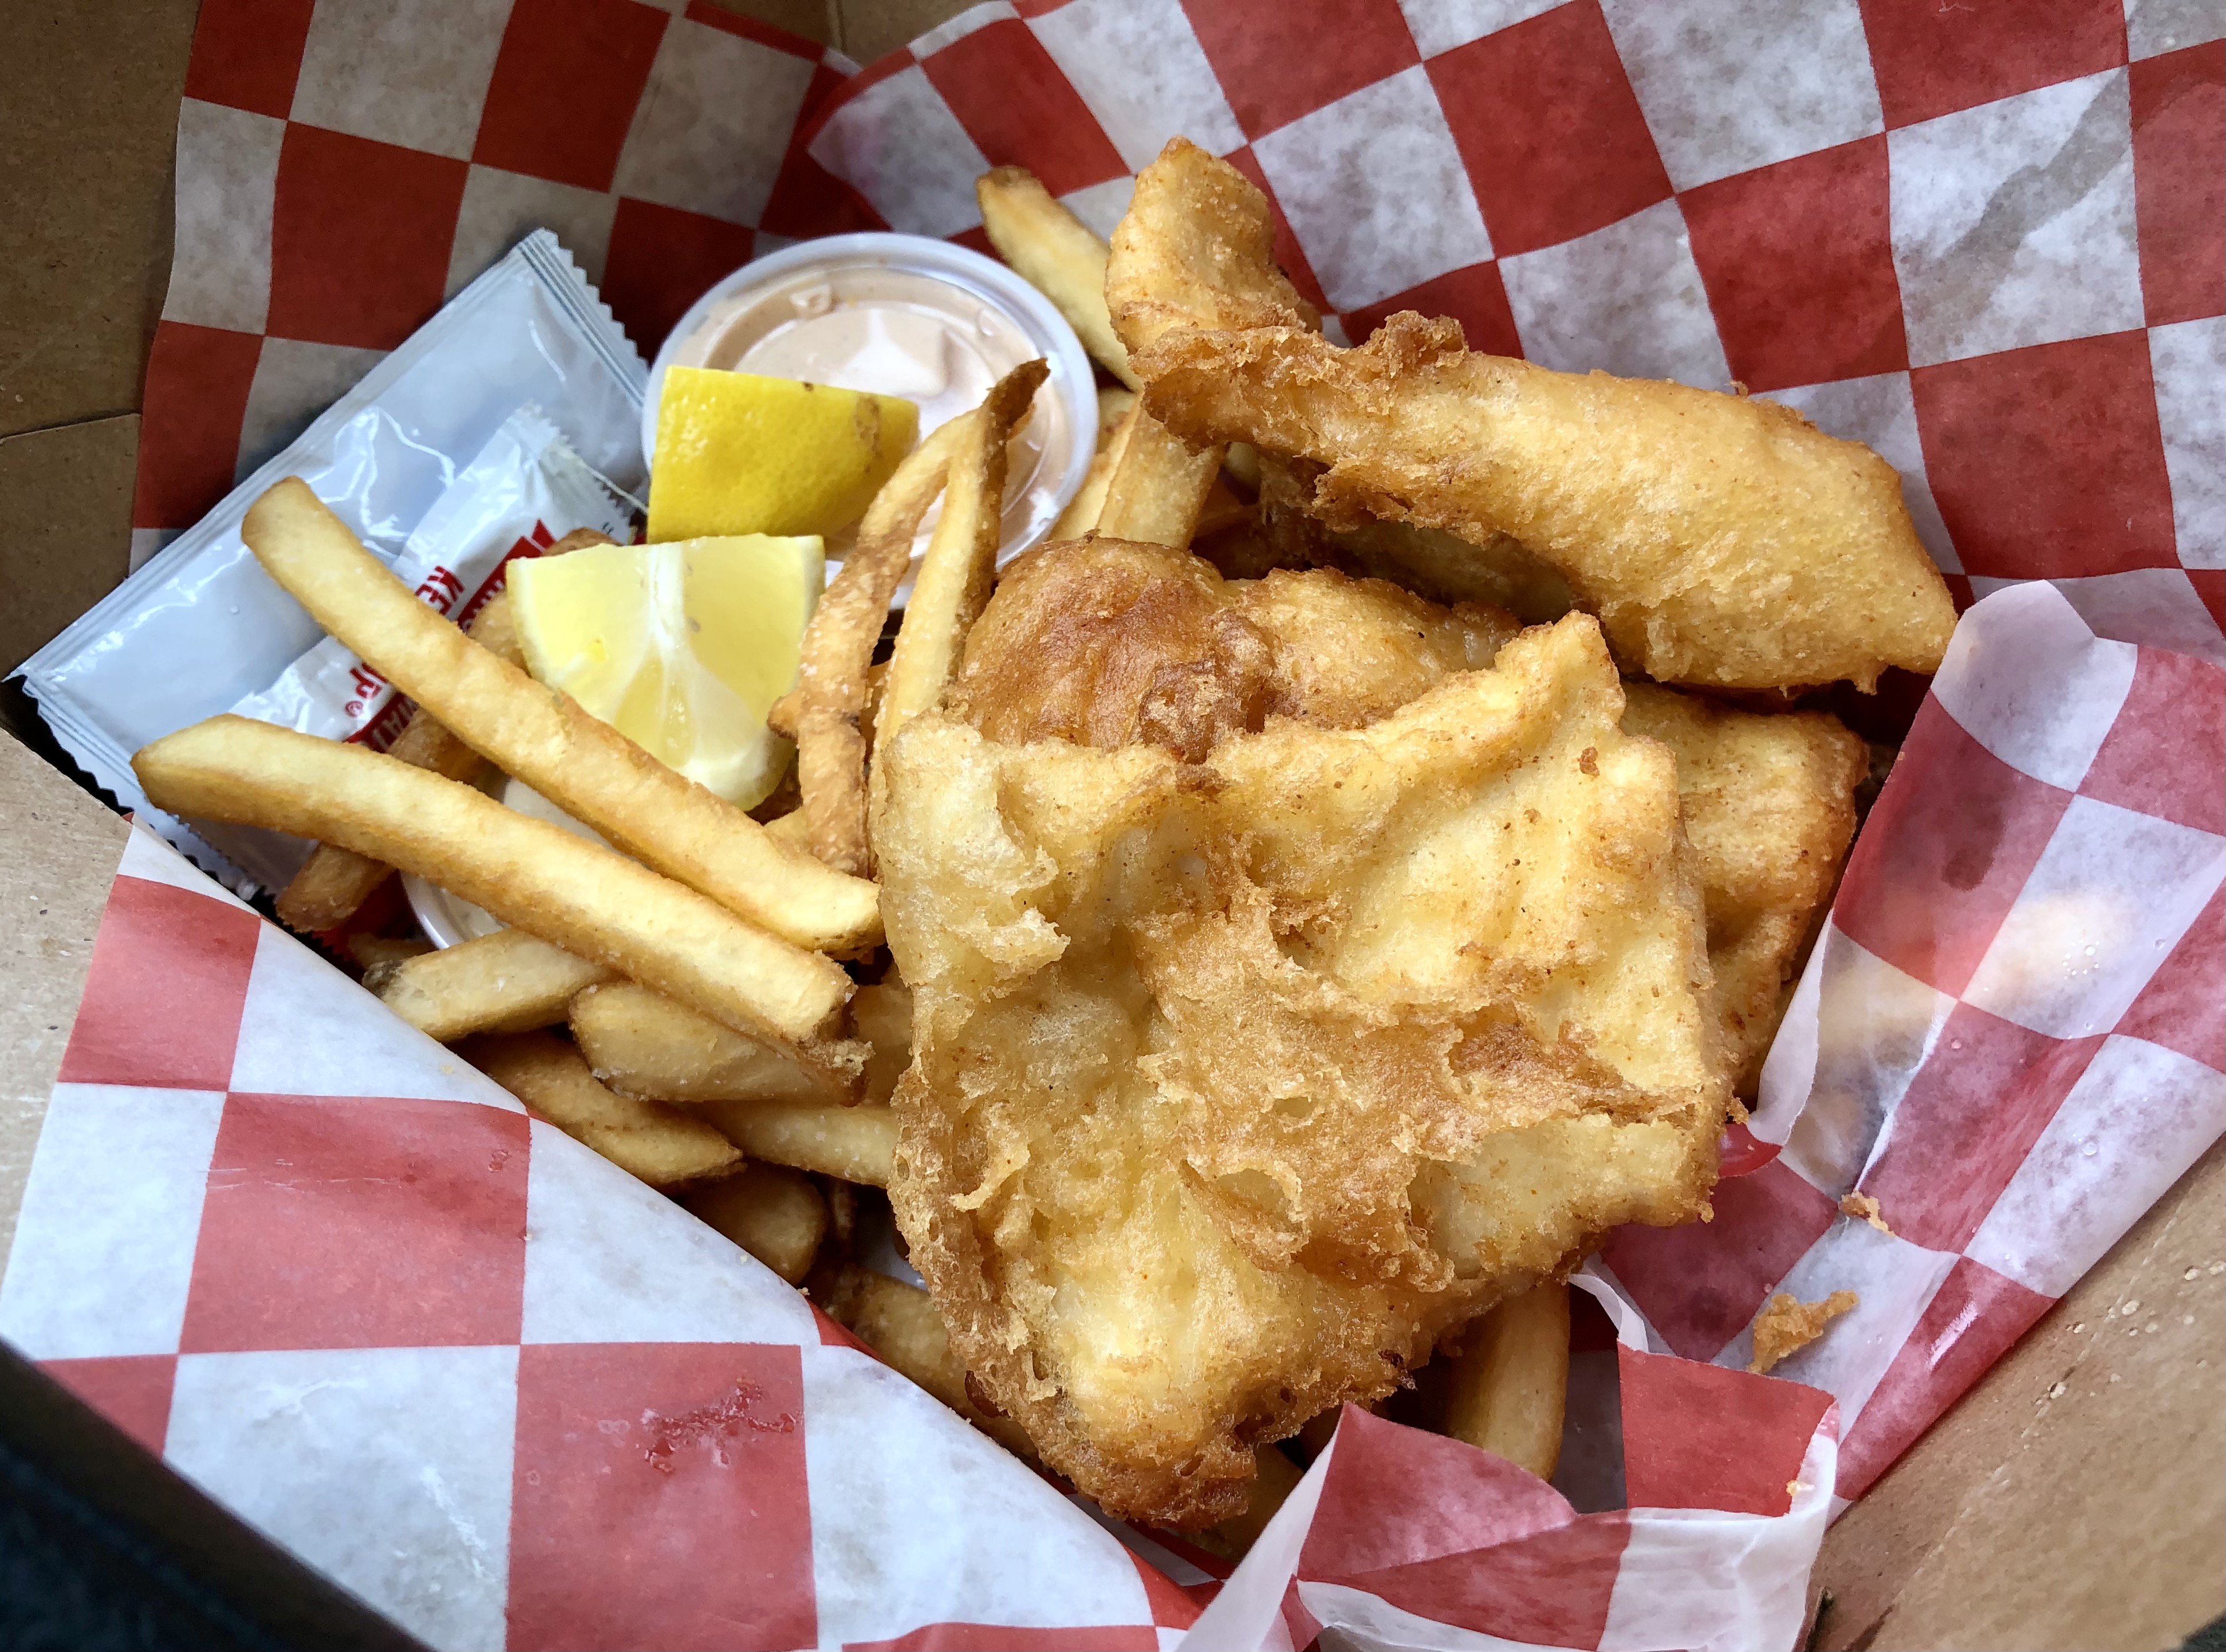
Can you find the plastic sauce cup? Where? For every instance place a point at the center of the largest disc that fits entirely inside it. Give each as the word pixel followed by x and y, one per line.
pixel 903 315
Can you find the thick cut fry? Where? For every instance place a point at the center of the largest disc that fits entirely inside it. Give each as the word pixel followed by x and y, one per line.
pixel 661 1145
pixel 641 1043
pixel 533 876
pixel 1056 253
pixel 793 828
pixel 1159 485
pixel 385 953
pixel 333 881
pixel 1088 504
pixel 1113 405
pixel 581 764
pixel 1275 1477
pixel 955 576
pixel 881 1015
pixel 1720 540
pixel 508 981
pixel 1510 1382
pixel 898 1322
pixel 855 1143
pixel 823 715
pixel 772 1211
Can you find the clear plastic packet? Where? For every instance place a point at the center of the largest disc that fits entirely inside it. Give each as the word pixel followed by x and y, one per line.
pixel 525 489
pixel 200 627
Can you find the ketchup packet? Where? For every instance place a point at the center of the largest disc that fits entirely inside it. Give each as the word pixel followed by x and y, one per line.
pixel 201 628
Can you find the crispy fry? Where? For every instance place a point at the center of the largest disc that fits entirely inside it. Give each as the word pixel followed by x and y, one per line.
pixel 881 1015
pixel 1275 1479
pixel 1113 405
pixel 1083 511
pixel 898 1322
pixel 333 881
pixel 385 953
pixel 772 1211
pixel 659 1144
pixel 955 576
pixel 793 827
pixel 641 1043
pixel 1159 485
pixel 508 981
pixel 1511 1380
pixel 578 762
pixel 1056 253
pixel 822 716
pixel 855 1143
pixel 577 895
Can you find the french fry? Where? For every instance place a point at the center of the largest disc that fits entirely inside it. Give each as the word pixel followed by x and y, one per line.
pixel 881 1015
pixel 661 1145
pixel 1159 485
pixel 854 1143
pixel 385 952
pixel 1088 504
pixel 333 881
pixel 822 713
pixel 953 583
pixel 640 1043
pixel 899 1322
pixel 574 894
pixel 772 1211
pixel 1056 253
pixel 1510 1382
pixel 578 762
pixel 508 981
pixel 1277 1478
pixel 793 828
pixel 1113 405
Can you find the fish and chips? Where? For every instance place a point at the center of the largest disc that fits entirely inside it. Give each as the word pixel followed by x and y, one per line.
pixel 1320 897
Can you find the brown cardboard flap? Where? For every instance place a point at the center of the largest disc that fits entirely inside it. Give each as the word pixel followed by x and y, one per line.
pixel 62 851
pixel 2077 1497
pixel 66 496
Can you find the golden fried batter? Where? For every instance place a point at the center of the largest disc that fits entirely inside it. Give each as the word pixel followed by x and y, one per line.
pixel 1769 806
pixel 1722 540
pixel 1091 641
pixel 1106 642
pixel 1787 1325
pixel 1236 1083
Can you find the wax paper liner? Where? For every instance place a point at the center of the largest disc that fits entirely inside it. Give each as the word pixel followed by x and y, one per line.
pixel 1938 231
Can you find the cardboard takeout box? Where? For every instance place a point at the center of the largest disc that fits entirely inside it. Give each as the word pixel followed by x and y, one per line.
pixel 2075 1498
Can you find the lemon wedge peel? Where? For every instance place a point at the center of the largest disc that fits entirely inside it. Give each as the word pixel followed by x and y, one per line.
pixel 744 453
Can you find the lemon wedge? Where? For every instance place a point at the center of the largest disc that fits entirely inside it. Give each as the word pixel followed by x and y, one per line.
pixel 739 453
pixel 682 647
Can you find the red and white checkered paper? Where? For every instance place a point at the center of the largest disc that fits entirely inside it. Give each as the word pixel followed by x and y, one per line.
pixel 448 1355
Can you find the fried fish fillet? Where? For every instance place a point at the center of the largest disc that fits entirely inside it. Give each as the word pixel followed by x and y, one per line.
pixel 1236 1083
pixel 1107 642
pixel 1104 643
pixel 1722 540
pixel 1769 806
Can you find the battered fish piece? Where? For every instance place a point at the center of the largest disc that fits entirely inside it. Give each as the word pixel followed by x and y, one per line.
pixel 1721 541
pixel 1769 806
pixel 1236 1083
pixel 1105 643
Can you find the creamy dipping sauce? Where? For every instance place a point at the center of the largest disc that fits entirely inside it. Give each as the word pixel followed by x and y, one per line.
pixel 937 334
